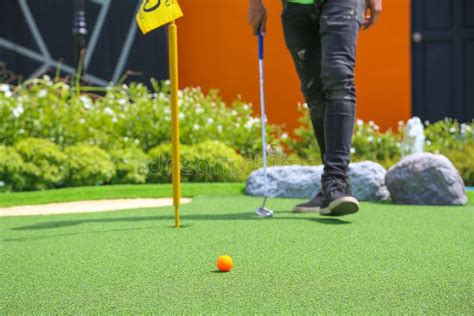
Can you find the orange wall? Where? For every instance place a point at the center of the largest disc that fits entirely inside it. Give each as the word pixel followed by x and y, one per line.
pixel 217 50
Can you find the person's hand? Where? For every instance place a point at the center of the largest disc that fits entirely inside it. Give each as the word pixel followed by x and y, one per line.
pixel 375 8
pixel 257 16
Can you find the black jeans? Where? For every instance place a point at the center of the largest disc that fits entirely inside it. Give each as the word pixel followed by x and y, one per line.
pixel 322 41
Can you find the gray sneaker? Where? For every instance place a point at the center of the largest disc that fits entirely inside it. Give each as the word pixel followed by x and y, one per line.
pixel 337 199
pixel 312 206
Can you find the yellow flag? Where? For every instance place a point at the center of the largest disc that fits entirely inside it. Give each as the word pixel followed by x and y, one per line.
pixel 156 13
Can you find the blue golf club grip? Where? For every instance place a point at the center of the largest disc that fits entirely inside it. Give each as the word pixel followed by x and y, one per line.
pixel 260 46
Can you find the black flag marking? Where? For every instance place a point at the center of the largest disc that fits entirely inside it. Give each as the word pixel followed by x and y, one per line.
pixel 153 8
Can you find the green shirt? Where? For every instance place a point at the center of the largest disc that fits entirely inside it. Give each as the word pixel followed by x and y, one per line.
pixel 302 1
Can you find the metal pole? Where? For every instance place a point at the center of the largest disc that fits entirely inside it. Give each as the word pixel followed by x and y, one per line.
pixel 79 33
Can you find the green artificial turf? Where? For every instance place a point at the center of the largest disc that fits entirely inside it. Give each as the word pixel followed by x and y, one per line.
pixel 385 259
pixel 116 192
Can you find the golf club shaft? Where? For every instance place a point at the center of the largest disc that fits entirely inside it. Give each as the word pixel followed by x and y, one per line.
pixel 264 117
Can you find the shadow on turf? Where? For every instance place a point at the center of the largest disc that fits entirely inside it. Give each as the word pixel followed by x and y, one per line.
pixel 78 233
pixel 204 217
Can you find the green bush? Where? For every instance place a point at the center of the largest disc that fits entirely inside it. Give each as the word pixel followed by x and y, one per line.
pixel 304 145
pixel 88 165
pixel 462 160
pixel 45 163
pixel 209 161
pixel 368 142
pixel 12 170
pixel 448 134
pixel 124 115
pixel 131 165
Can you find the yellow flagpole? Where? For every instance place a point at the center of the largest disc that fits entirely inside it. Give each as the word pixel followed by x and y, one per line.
pixel 173 60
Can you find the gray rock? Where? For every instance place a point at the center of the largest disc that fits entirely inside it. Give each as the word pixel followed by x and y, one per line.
pixel 286 181
pixel 305 181
pixel 368 181
pixel 425 178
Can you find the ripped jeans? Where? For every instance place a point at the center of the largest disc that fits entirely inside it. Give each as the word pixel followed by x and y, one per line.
pixel 322 41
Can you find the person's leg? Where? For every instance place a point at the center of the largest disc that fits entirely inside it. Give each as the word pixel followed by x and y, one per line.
pixel 340 22
pixel 301 29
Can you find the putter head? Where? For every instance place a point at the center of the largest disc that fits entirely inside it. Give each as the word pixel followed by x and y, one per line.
pixel 264 212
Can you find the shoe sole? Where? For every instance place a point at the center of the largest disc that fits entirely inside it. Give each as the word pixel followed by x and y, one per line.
pixel 340 207
pixel 299 209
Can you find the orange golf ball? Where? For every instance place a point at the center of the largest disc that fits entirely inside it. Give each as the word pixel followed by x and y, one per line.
pixel 224 263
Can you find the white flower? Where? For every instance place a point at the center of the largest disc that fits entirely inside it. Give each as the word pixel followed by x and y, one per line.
pixel 8 94
pixel 353 150
pixel 42 93
pixel 427 122
pixel 108 111
pixel 181 115
pixel 210 120
pixel 305 105
pixel 400 123
pixel 114 120
pixel 196 127
pixel 47 79
pixel 234 112
pixel 167 110
pixel 246 107
pixel 86 101
pixel 359 122
pixel 370 139
pixel 122 101
pixel 199 109
pixel 124 86
pixel 248 124
pixel 161 96
pixel 284 135
pixel 428 142
pixel 452 130
pixel 18 110
pixel 371 123
pixel 82 121
pixel 219 128
pixel 137 141
pixel 376 127
pixel 4 88
pixel 167 82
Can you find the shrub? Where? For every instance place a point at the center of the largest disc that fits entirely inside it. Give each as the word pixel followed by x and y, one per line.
pixel 368 142
pixel 462 160
pixel 209 161
pixel 45 163
pixel 131 165
pixel 12 169
pixel 126 114
pixel 448 134
pixel 304 145
pixel 88 165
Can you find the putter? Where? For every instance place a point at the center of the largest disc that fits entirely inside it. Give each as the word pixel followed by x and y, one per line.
pixel 263 211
